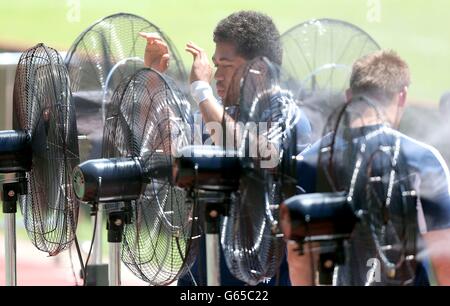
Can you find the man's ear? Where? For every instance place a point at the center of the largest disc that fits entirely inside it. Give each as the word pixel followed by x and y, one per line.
pixel 402 97
pixel 348 95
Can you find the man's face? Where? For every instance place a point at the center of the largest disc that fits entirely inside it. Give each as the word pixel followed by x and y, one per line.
pixel 227 61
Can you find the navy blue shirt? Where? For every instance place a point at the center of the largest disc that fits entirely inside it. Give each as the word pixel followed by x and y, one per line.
pixel 425 168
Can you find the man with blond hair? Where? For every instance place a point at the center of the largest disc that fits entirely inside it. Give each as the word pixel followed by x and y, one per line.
pixel 376 101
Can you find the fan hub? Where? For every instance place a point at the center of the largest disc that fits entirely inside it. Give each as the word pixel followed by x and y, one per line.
pixel 109 180
pixel 207 168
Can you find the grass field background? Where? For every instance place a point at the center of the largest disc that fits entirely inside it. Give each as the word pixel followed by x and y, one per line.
pixel 419 30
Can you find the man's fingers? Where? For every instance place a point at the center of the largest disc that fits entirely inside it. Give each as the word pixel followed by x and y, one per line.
pixel 192 51
pixel 194 46
pixel 161 44
pixel 157 47
pixel 150 35
pixel 152 38
pixel 200 52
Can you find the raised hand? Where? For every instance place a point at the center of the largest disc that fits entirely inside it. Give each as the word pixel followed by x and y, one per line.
pixel 156 52
pixel 201 69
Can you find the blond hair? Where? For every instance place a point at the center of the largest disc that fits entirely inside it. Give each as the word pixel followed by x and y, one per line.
pixel 382 75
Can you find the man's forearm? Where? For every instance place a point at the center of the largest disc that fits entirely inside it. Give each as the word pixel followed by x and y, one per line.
pixel 212 114
pixel 300 266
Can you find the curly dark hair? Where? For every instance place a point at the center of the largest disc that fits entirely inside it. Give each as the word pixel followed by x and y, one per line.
pixel 253 33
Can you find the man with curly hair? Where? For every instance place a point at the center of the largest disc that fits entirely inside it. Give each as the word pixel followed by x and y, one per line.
pixel 239 38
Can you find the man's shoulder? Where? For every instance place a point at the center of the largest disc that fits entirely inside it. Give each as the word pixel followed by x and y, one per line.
pixel 421 152
pixel 415 151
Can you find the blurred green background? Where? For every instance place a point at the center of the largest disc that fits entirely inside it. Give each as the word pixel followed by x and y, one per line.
pixel 418 29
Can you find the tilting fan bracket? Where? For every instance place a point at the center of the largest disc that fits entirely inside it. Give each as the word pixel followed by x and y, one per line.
pixel 116 222
pixel 11 192
pixel 213 212
pixel 9 197
pixel 215 204
pixel 328 262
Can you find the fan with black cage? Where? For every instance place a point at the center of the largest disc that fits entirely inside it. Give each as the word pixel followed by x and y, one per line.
pixel 42 150
pixel 251 239
pixel 151 224
pixel 105 54
pixel 318 56
pixel 364 210
pixel 243 179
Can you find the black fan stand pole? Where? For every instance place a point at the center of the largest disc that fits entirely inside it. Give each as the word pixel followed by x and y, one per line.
pixel 115 226
pixel 96 272
pixel 15 158
pixel 215 206
pixel 9 211
pixel 10 197
pixel 212 226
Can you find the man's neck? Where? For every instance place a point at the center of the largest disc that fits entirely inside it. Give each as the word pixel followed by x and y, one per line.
pixel 371 113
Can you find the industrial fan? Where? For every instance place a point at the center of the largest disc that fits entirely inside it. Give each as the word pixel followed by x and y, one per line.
pixel 105 54
pixel 318 56
pixel 42 151
pixel 364 201
pixel 245 181
pixel 147 123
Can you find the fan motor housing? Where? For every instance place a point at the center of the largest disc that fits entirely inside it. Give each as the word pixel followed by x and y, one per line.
pixel 15 151
pixel 108 180
pixel 207 168
pixel 317 216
